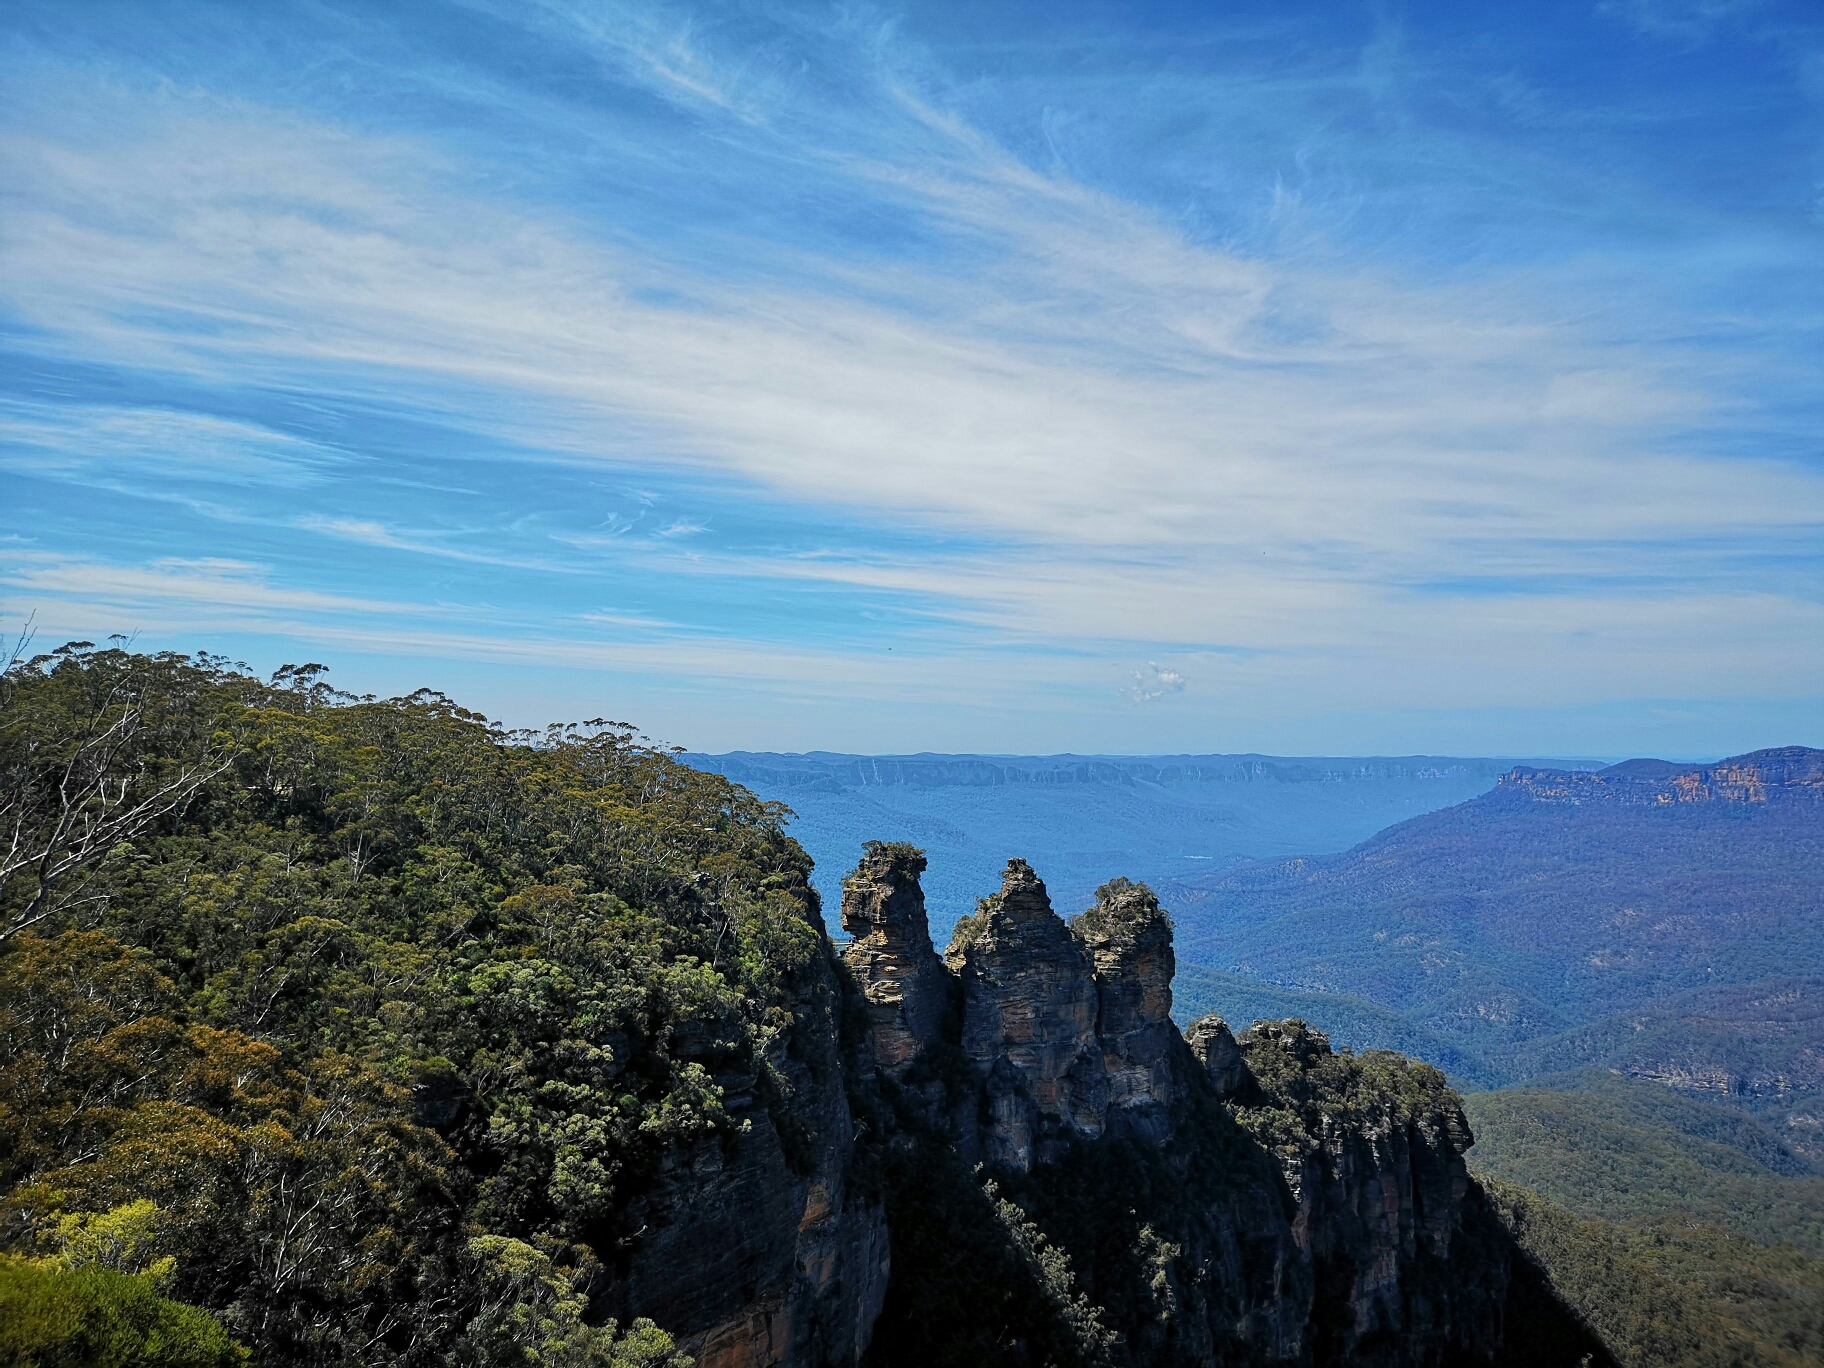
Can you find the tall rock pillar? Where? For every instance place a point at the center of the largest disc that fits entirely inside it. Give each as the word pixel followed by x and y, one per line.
pixel 1129 940
pixel 883 908
pixel 1029 1022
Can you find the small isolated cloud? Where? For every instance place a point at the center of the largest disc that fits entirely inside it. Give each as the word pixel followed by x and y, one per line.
pixel 1153 682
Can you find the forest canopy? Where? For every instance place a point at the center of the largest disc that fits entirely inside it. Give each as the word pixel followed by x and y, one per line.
pixel 366 1020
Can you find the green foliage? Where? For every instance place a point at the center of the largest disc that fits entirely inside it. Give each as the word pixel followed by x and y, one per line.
pixel 1049 1266
pixel 1630 1151
pixel 388 980
pixel 532 1309
pixel 53 1315
pixel 1683 1295
pixel 1310 1090
pixel 975 1280
pixel 1121 906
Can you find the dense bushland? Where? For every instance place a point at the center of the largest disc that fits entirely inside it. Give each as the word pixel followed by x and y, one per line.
pixel 377 1015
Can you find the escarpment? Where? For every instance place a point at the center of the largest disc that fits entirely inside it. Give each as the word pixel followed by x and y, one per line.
pixel 1072 1180
pixel 1372 1147
pixel 1011 1155
pixel 758 1246
pixel 1785 776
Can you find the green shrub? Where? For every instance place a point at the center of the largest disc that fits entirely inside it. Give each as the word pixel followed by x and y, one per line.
pixel 56 1316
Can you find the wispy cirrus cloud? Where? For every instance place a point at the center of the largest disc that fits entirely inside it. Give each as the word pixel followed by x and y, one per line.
pixel 769 328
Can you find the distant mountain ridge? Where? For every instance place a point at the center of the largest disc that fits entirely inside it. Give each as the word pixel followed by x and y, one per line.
pixel 1665 920
pixel 1784 774
pixel 933 770
pixel 1083 819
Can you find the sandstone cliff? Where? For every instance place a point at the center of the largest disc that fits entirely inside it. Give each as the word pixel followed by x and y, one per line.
pixel 766 1247
pixel 883 909
pixel 1784 775
pixel 1011 1155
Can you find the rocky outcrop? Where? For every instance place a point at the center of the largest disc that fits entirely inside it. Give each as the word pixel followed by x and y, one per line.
pixel 1372 1148
pixel 1070 1180
pixel 1029 1023
pixel 1163 1198
pixel 1213 1045
pixel 1784 775
pixel 1129 940
pixel 883 908
pixel 755 1247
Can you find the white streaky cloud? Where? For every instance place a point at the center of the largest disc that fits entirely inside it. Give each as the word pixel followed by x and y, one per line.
pixel 1510 652
pixel 370 532
pixel 1098 382
pixel 210 583
pixel 1147 458
pixel 151 443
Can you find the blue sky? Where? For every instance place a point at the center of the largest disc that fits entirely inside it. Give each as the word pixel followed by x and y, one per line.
pixel 1020 377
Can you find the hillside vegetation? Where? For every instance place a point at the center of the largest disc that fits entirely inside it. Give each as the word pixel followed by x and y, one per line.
pixel 1698 1234
pixel 1528 931
pixel 367 1020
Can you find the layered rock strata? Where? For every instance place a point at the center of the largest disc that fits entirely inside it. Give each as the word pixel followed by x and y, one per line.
pixel 1079 1183
pixel 1029 1023
pixel 1784 776
pixel 1129 940
pixel 1372 1149
pixel 883 908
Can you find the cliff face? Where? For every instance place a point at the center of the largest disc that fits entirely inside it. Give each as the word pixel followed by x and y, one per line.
pixel 1787 774
pixel 1129 940
pixel 1021 1160
pixel 757 1248
pixel 1372 1148
pixel 1200 1199
pixel 883 908
pixel 1029 1024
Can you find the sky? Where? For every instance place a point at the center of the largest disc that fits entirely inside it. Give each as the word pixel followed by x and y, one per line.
pixel 1110 378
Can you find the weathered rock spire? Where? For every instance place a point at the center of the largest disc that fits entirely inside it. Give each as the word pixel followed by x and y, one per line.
pixel 1029 1022
pixel 1129 939
pixel 1214 1045
pixel 883 908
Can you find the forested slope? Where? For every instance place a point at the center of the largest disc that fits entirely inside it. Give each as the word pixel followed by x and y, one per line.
pixel 383 1018
pixel 1532 929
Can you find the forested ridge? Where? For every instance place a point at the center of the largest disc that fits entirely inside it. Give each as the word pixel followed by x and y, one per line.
pixel 360 1024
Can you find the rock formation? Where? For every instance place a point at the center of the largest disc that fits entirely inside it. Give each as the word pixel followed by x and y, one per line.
pixel 1018 1159
pixel 1372 1148
pixel 1781 776
pixel 1129 940
pixel 883 908
pixel 1029 1023
pixel 757 1249
pixel 1213 1045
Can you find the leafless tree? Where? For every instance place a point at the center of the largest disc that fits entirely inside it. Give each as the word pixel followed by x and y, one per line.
pixel 67 802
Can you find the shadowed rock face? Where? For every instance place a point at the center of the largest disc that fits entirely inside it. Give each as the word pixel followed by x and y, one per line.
pixel 757 1250
pixel 1129 941
pixel 883 908
pixel 1398 1248
pixel 1207 1201
pixel 1029 1023
pixel 1214 1047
